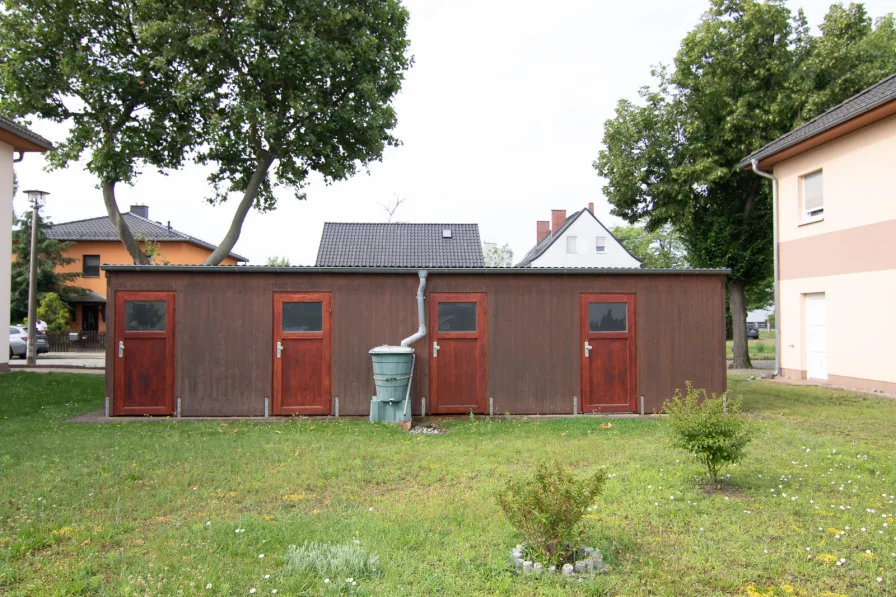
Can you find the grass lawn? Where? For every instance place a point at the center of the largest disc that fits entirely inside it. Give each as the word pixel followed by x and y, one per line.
pixel 153 508
pixel 763 348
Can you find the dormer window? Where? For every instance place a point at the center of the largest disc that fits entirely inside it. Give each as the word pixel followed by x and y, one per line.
pixel 600 244
pixel 813 197
pixel 570 244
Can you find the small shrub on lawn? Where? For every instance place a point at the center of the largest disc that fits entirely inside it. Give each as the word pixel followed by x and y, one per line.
pixel 700 425
pixel 547 509
pixel 330 561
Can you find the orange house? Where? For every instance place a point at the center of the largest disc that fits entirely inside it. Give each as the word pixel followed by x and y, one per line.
pixel 95 242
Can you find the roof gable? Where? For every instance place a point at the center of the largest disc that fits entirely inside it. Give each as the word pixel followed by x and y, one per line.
pixel 344 244
pixel 539 249
pixel 101 229
pixel 866 100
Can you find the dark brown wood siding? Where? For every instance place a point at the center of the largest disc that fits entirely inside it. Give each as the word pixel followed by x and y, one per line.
pixel 224 334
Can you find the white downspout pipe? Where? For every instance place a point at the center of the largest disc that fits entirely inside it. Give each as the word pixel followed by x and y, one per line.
pixel 777 283
pixel 421 313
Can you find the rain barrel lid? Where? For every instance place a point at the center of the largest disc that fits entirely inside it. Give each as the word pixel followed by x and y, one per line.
pixel 386 349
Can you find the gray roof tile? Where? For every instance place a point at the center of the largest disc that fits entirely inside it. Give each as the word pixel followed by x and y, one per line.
pixel 399 245
pixel 8 124
pixel 102 229
pixel 864 101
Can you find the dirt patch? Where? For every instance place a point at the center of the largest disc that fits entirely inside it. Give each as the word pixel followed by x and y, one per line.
pixel 721 488
pixel 427 429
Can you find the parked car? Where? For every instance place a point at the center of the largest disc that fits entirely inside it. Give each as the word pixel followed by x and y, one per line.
pixel 18 342
pixel 753 331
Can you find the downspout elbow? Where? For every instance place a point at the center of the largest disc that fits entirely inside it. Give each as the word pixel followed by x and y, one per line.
pixel 421 314
pixel 755 165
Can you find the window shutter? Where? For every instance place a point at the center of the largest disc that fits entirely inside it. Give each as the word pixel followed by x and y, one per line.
pixel 813 197
pixel 570 244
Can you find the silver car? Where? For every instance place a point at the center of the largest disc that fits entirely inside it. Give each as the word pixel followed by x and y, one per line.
pixel 18 342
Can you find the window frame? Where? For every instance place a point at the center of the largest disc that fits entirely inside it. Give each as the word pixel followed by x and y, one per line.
pixel 575 245
pixel 815 215
pixel 600 249
pixel 99 264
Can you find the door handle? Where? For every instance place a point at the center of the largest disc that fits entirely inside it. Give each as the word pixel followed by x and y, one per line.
pixel 435 350
pixel 279 349
pixel 121 349
pixel 588 348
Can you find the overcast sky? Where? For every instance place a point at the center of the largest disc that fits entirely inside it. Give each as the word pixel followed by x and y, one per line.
pixel 501 117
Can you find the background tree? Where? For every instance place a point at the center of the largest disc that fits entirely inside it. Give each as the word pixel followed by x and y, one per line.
pixel 307 87
pixel 277 261
pixel 50 258
pixel 495 256
pixel 392 207
pixel 54 312
pixel 114 72
pixel 658 248
pixel 749 72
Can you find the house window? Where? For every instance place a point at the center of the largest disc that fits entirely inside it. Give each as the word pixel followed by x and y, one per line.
pixel 570 244
pixel 91 266
pixel 813 197
pixel 600 244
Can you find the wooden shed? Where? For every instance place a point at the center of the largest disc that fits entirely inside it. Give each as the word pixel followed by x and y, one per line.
pixel 235 341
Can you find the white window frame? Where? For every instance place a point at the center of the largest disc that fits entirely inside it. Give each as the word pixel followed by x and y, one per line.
pixel 571 243
pixel 600 245
pixel 815 215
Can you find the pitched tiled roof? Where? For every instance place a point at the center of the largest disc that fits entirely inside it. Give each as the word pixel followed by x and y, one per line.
pixel 539 249
pixel 399 245
pixel 102 229
pixel 864 101
pixel 7 124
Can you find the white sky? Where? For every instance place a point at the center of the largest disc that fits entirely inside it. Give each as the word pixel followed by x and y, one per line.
pixel 501 117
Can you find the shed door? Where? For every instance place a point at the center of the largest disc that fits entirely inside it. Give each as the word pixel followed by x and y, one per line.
pixel 458 358
pixel 816 336
pixel 609 367
pixel 301 353
pixel 143 381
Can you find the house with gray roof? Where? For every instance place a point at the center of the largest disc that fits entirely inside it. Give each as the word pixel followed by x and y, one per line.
pixel 344 244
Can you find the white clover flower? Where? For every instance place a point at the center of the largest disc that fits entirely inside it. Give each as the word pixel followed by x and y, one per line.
pixel 208 586
pixel 261 556
pixel 251 591
pixel 326 581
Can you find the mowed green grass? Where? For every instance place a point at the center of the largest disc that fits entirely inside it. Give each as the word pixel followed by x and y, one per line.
pixel 763 348
pixel 152 508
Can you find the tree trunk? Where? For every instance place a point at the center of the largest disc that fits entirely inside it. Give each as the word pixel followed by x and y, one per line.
pixel 124 233
pixel 236 226
pixel 738 305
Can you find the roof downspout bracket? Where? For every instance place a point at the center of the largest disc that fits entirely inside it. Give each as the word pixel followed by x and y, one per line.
pixel 421 313
pixel 777 282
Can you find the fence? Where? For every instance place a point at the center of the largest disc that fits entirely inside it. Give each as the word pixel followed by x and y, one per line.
pixel 76 341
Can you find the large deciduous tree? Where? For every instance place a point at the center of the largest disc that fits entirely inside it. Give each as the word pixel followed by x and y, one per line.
pixel 662 248
pixel 749 72
pixel 307 87
pixel 114 73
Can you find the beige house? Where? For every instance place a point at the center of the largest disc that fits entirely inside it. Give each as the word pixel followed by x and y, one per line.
pixel 15 141
pixel 835 236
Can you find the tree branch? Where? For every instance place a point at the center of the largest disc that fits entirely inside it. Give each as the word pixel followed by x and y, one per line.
pixel 124 233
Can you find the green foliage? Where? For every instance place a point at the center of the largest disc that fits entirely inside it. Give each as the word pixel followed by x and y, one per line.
pixel 495 256
pixel 336 562
pixel 716 433
pixel 547 508
pixel 54 312
pixel 152 250
pixel 657 248
pixel 749 72
pixel 50 258
pixel 277 261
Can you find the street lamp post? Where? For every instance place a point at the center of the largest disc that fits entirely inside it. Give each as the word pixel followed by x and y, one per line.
pixel 36 197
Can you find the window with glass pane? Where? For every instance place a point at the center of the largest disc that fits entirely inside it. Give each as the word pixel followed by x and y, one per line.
pixel 570 244
pixel 607 317
pixel 600 244
pixel 303 317
pixel 145 316
pixel 91 266
pixel 813 195
pixel 457 317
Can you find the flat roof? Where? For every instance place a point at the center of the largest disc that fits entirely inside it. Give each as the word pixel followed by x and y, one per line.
pixel 525 271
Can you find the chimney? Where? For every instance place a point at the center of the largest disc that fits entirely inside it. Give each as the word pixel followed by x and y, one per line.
pixel 544 228
pixel 558 217
pixel 140 210
pixel 591 207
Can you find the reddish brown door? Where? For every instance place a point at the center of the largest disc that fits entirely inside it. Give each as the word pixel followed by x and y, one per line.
pixel 458 357
pixel 609 370
pixel 301 353
pixel 143 353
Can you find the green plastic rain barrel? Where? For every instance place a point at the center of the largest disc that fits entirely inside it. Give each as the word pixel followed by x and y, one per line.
pixel 392 371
